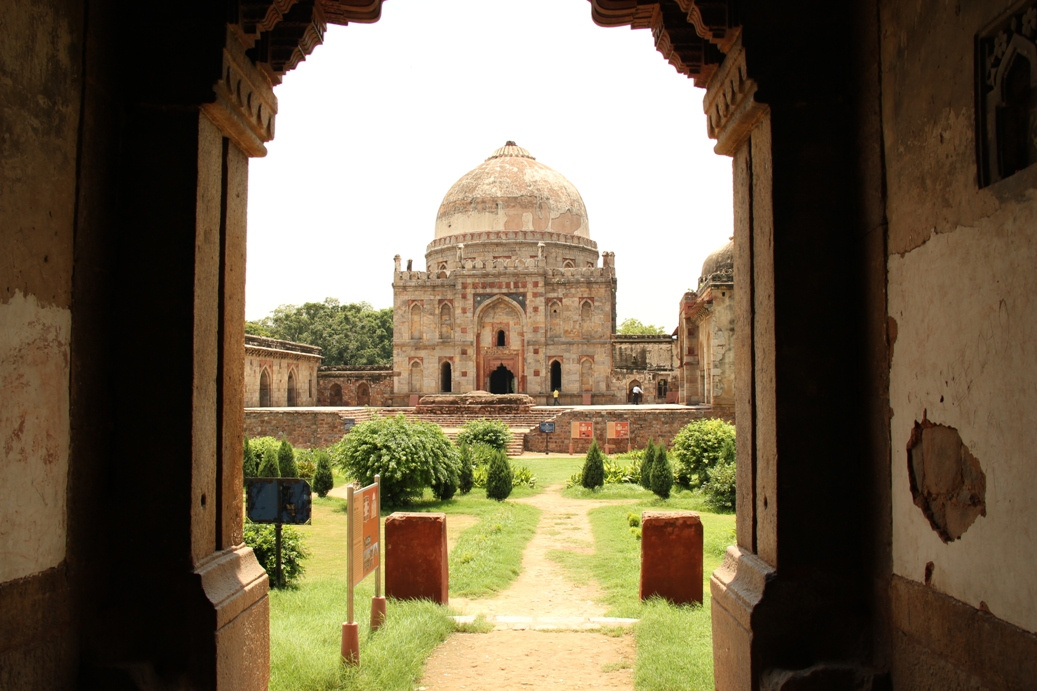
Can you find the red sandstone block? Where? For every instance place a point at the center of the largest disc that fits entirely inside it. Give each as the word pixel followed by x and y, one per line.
pixel 671 556
pixel 416 557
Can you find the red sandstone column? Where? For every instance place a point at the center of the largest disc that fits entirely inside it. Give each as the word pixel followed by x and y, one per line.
pixel 416 557
pixel 671 556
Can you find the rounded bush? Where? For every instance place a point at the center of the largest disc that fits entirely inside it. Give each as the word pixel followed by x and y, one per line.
pixel 490 432
pixel 498 476
pixel 408 455
pixel 699 446
pixel 263 541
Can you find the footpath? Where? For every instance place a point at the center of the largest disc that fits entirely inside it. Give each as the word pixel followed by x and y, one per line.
pixel 546 628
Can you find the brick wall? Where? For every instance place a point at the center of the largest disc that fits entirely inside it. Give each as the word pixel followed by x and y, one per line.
pixel 645 423
pixel 305 428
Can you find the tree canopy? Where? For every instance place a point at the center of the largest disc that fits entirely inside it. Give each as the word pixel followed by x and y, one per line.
pixel 634 327
pixel 350 334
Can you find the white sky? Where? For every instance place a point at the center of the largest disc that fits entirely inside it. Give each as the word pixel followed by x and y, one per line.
pixel 377 124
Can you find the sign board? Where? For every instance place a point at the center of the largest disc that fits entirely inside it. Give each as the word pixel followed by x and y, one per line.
pixel 365 532
pixel 547 427
pixel 619 430
pixel 583 430
pixel 278 500
pixel 348 423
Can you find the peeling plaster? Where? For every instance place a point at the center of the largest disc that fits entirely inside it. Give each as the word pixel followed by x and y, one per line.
pixel 34 435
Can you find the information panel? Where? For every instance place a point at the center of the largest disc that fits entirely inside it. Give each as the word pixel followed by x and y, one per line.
pixel 277 500
pixel 365 532
pixel 583 430
pixel 619 430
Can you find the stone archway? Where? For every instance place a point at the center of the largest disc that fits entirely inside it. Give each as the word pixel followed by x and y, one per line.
pixel 363 394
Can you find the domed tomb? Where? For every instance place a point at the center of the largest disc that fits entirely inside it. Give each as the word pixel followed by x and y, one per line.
pixel 512 191
pixel 719 266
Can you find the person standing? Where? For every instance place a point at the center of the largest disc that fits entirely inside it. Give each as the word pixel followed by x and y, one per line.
pixel 555 394
pixel 637 394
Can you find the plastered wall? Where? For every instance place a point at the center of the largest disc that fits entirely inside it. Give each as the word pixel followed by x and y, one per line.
pixel 962 304
pixel 39 114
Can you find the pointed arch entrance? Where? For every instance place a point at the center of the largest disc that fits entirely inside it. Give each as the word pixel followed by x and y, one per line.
pixel 502 380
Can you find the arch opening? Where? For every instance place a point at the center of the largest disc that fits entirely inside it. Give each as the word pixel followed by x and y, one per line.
pixel 556 376
pixel 502 380
pixel 335 395
pixel 264 388
pixel 292 394
pixel 445 378
pixel 363 394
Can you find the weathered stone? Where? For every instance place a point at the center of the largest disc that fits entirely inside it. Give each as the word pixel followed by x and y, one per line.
pixel 416 557
pixel 671 556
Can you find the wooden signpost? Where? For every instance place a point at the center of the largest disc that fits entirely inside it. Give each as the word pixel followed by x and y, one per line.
pixel 363 555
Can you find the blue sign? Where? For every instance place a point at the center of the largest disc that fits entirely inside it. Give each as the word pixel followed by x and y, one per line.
pixel 547 427
pixel 277 500
pixel 348 423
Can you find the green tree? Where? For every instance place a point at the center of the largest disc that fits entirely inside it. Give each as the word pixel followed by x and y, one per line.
pixel 720 485
pixel 408 455
pixel 268 465
pixel 498 476
pixel 662 473
pixel 323 480
pixel 262 539
pixel 250 464
pixel 286 459
pixel 351 334
pixel 646 465
pixel 593 467
pixel 465 476
pixel 634 327
pixel 699 446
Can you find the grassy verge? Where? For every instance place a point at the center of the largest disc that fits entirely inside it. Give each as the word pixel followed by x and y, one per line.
pixel 306 621
pixel 674 644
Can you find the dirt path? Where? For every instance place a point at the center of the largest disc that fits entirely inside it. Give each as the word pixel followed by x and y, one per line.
pixel 537 641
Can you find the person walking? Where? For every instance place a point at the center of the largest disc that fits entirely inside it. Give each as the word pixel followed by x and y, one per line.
pixel 637 394
pixel 555 394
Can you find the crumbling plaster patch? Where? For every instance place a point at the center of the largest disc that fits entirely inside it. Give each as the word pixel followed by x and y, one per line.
pixel 34 432
pixel 966 346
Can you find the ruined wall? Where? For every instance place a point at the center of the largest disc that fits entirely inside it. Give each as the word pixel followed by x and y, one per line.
pixel 279 359
pixel 379 382
pixel 305 429
pixel 963 332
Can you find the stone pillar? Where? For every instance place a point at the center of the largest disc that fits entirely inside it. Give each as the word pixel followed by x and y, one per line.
pixel 671 556
pixel 794 593
pixel 416 557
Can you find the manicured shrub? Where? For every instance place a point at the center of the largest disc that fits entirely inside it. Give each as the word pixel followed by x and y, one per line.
pixel 522 476
pixel 662 473
pixel 490 432
pixel 719 488
pixel 323 480
pixel 306 463
pixel 268 466
pixel 498 476
pixel 465 477
pixel 250 464
pixel 263 541
pixel 408 455
pixel 646 465
pixel 447 487
pixel 286 459
pixel 698 447
pixel 593 467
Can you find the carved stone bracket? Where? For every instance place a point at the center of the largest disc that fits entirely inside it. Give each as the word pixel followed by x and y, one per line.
pixel 286 45
pixel 244 106
pixel 690 34
pixel 731 109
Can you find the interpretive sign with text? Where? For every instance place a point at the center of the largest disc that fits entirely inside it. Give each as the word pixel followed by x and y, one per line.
pixel 365 532
pixel 619 430
pixel 583 430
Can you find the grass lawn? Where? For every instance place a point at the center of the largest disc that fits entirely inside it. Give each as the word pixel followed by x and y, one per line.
pixel 674 643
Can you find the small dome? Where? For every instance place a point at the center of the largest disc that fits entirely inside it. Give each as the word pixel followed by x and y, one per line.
pixel 511 190
pixel 719 267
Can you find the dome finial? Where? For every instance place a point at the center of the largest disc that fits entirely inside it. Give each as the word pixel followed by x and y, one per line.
pixel 511 149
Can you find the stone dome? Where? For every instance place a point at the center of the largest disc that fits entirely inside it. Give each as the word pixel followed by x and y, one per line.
pixel 511 190
pixel 719 267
